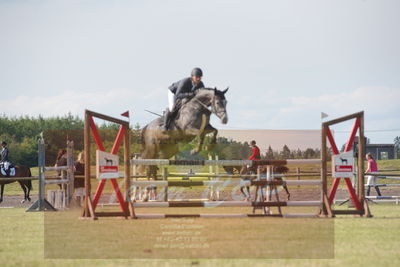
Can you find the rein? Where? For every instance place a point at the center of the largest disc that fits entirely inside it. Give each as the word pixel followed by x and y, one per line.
pixel 205 106
pixel 201 103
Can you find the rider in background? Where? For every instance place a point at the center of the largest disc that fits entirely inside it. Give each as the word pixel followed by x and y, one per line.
pixel 4 161
pixel 255 151
pixel 255 155
pixel 182 89
pixel 61 159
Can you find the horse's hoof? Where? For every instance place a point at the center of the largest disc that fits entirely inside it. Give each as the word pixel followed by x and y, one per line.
pixel 22 201
pixel 29 199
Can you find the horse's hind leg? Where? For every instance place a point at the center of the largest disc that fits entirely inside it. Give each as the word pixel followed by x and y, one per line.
pixel 287 191
pixel 242 190
pixel 248 192
pixel 247 196
pixel 28 187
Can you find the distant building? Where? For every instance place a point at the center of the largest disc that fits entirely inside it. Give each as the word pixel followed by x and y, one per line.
pixel 381 151
pixel 378 151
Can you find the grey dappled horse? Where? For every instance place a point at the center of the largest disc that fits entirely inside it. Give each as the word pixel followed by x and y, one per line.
pixel 191 121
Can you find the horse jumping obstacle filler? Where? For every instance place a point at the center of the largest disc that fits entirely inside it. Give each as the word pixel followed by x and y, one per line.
pixel 66 181
pixel 89 206
pixel 128 207
pixel 260 203
pixel 217 179
pixel 357 193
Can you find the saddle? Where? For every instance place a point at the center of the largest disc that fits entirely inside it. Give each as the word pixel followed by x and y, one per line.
pixel 179 103
pixel 175 111
pixel 7 172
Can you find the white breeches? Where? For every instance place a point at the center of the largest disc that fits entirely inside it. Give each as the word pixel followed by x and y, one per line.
pixel 6 165
pixel 371 180
pixel 171 100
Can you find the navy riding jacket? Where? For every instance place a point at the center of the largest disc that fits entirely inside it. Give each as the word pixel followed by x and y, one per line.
pixel 4 155
pixel 180 88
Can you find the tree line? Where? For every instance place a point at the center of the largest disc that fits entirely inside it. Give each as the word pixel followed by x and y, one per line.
pixel 22 133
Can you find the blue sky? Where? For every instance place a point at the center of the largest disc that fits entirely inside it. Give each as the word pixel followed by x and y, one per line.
pixel 284 61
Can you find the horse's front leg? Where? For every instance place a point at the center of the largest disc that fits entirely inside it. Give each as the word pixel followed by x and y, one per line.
pixel 1 192
pixel 287 191
pixel 200 143
pixel 210 129
pixel 200 133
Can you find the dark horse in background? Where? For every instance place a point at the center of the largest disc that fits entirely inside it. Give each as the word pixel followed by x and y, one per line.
pixel 192 120
pixel 26 185
pixel 244 170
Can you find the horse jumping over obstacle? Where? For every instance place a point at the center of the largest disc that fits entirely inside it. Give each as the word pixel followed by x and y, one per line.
pixel 191 121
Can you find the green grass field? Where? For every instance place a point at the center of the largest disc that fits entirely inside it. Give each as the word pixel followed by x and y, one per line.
pixel 61 239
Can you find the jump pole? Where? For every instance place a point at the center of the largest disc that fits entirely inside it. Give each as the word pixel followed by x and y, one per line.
pixel 259 203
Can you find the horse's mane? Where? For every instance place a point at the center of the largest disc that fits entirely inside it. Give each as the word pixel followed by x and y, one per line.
pixel 217 92
pixel 203 89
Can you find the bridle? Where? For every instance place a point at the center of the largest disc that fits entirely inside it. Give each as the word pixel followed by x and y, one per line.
pixel 212 104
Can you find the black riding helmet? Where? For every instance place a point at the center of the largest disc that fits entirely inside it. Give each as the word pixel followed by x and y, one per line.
pixel 197 72
pixel 4 143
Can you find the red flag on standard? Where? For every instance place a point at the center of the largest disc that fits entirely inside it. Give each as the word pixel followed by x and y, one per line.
pixel 125 114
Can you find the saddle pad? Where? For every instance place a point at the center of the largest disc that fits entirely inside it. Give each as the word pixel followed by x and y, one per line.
pixel 12 172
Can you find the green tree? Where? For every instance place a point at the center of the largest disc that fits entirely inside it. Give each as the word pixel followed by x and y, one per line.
pixel 309 153
pixel 270 153
pixel 285 153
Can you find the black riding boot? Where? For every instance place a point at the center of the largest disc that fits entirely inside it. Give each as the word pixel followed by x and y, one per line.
pixel 167 120
pixel 368 190
pixel 378 191
pixel 7 172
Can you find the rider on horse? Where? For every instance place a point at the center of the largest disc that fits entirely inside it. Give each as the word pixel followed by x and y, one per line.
pixel 181 90
pixel 4 161
pixel 255 154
